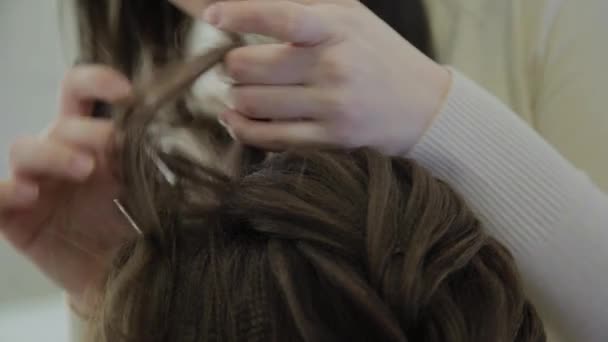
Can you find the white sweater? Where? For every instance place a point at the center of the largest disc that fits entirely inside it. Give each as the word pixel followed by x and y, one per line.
pixel 543 61
pixel 550 215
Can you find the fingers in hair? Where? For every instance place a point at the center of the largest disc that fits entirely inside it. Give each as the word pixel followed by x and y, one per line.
pixel 278 64
pixel 279 102
pixel 274 135
pixel 84 84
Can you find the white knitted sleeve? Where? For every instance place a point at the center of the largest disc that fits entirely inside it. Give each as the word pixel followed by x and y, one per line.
pixel 551 216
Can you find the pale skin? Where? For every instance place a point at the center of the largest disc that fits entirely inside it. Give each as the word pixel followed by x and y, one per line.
pixel 56 208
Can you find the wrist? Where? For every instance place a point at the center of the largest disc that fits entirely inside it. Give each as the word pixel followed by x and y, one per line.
pixel 441 83
pixel 421 111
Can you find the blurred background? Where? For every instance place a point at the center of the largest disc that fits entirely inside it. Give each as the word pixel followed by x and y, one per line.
pixel 32 65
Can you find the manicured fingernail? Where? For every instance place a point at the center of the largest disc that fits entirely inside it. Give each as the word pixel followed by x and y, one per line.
pixel 222 122
pixel 212 15
pixel 224 77
pixel 231 133
pixel 25 193
pixel 225 124
pixel 229 99
pixel 82 167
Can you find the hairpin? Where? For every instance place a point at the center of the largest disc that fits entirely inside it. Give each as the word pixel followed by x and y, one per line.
pixel 127 216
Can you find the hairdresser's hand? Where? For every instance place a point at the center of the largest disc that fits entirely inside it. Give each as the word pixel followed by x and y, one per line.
pixel 57 206
pixel 346 80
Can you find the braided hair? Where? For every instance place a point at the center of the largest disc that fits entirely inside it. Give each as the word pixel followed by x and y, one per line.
pixel 302 245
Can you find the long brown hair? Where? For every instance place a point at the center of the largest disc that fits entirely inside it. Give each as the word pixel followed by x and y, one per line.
pixel 298 246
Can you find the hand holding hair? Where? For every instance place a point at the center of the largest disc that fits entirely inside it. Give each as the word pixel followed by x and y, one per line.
pixel 342 78
pixel 57 208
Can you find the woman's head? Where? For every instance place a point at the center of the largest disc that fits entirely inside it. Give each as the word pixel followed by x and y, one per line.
pixel 297 246
pixel 312 246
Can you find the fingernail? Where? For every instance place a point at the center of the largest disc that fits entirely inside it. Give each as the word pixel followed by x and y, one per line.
pixel 82 167
pixel 212 15
pixel 231 133
pixel 225 124
pixel 25 193
pixel 224 77
pixel 222 122
pixel 229 99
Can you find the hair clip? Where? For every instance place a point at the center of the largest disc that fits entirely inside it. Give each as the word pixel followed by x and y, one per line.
pixel 127 216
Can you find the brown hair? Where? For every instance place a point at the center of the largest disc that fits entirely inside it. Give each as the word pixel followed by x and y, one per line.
pixel 298 246
pixel 137 37
pixel 127 33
